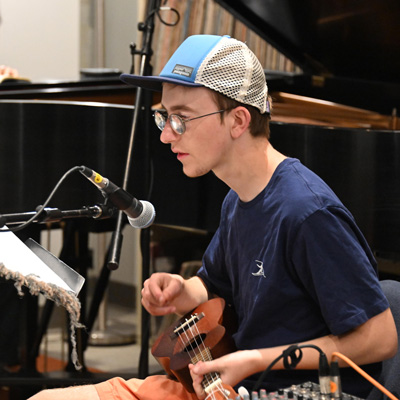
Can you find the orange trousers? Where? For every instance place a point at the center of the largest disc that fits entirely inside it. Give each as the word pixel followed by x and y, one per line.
pixel 157 387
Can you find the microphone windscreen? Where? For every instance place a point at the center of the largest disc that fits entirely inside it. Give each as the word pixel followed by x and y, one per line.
pixel 146 218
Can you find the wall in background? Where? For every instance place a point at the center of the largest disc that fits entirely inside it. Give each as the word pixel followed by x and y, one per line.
pixel 40 38
pixel 54 39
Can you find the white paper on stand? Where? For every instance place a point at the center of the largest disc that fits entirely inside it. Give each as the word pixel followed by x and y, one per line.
pixel 17 257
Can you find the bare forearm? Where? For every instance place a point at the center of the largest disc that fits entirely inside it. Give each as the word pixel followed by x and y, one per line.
pixel 193 294
pixel 374 341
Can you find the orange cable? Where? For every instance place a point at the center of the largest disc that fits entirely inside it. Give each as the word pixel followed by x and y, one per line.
pixel 365 375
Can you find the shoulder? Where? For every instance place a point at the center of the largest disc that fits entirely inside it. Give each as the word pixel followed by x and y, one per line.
pixel 295 186
pixel 299 181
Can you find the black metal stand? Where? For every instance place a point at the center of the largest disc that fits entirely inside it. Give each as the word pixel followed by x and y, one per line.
pixel 147 28
pixel 141 106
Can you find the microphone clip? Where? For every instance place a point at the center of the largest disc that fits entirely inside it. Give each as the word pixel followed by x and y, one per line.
pixel 105 210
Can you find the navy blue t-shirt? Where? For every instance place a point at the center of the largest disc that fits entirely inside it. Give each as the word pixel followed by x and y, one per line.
pixel 293 264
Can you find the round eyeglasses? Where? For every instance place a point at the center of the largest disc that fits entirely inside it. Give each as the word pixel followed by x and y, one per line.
pixel 178 124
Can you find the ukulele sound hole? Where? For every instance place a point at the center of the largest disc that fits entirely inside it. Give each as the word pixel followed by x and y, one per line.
pixel 195 342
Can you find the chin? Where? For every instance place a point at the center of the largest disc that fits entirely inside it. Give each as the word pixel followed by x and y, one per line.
pixel 194 174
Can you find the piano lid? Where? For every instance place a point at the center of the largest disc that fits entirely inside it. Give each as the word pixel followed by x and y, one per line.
pixel 351 39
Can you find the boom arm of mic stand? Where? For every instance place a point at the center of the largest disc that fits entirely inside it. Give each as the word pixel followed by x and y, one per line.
pixel 99 211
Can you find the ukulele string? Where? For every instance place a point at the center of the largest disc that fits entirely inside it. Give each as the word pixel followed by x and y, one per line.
pixel 189 342
pixel 215 378
pixel 195 333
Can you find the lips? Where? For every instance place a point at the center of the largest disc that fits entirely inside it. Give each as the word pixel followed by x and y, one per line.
pixel 180 156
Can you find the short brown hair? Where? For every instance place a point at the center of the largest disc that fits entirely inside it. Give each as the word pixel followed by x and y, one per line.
pixel 259 125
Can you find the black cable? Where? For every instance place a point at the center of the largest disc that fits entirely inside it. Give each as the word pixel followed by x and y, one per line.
pixel 40 209
pixel 164 8
pixel 173 10
pixel 291 358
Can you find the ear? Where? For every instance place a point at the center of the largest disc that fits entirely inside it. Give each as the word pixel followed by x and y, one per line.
pixel 241 121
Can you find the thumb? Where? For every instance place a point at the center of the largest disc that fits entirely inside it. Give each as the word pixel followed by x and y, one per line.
pixel 197 382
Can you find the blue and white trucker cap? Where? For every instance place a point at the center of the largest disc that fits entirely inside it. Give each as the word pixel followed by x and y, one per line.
pixel 220 63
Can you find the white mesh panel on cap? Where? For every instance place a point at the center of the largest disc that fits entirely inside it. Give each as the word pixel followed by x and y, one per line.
pixel 232 69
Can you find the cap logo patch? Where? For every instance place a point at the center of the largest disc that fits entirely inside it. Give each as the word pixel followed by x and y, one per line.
pixel 182 70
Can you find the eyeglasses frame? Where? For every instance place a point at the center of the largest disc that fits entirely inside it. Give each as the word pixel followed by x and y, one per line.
pixel 183 121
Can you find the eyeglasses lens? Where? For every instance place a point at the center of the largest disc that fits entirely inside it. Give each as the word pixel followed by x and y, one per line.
pixel 177 124
pixel 160 120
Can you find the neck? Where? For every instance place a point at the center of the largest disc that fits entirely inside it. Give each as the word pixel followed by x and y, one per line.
pixel 252 168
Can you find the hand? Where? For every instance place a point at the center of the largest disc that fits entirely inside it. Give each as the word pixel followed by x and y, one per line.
pixel 232 369
pixel 7 72
pixel 160 291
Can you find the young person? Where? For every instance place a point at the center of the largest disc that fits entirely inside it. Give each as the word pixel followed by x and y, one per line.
pixel 287 256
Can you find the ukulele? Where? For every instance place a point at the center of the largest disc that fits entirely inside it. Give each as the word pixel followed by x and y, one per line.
pixel 197 336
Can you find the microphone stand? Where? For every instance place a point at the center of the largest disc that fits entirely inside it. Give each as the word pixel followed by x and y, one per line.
pixel 147 28
pixel 116 242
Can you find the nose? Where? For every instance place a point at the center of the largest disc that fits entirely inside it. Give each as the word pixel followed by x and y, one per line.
pixel 167 134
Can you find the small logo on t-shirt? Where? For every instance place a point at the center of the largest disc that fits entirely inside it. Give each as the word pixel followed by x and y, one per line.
pixel 260 271
pixel 183 70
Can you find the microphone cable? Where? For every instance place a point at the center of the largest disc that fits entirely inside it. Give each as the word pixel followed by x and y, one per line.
pixel 41 208
pixel 164 8
pixel 364 374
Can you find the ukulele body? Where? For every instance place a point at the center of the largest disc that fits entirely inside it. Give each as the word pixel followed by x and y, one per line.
pixel 185 342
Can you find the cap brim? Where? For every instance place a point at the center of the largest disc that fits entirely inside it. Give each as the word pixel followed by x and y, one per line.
pixel 154 82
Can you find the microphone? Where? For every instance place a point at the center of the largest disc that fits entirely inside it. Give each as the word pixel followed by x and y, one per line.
pixel 140 214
